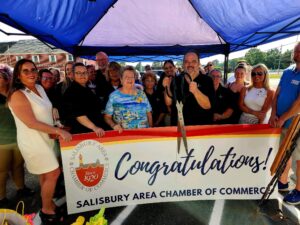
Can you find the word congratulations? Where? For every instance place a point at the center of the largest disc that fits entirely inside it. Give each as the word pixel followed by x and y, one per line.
pixel 222 163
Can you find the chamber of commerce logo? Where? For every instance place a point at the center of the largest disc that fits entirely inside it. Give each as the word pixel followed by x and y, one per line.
pixel 89 165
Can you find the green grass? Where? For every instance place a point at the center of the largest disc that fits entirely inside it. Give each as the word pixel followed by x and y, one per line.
pixel 275 75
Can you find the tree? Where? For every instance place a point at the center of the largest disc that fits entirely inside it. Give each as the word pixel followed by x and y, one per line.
pixel 233 63
pixel 138 66
pixel 255 56
pixel 215 62
pixel 122 64
pixel 286 60
pixel 178 63
pixel 272 58
pixel 157 65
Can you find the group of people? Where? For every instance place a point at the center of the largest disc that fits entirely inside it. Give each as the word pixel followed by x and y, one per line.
pixel 113 98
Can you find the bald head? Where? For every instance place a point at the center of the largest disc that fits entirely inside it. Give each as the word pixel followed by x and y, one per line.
pixel 191 64
pixel 296 54
pixel 102 60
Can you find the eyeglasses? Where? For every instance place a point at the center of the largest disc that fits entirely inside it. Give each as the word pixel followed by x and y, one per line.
pixel 209 65
pixel 101 60
pixel 253 74
pixel 150 80
pixel 27 72
pixel 48 78
pixel 168 68
pixel 81 73
pixel 129 78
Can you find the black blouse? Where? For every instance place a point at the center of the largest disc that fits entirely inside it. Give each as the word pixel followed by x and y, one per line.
pixel 81 101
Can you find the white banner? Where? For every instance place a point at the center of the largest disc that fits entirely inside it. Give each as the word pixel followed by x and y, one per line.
pixel 138 168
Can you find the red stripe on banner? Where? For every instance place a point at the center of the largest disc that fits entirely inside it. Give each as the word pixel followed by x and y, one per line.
pixel 161 132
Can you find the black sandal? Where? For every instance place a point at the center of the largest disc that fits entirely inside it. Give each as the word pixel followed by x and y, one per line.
pixel 48 219
pixel 61 210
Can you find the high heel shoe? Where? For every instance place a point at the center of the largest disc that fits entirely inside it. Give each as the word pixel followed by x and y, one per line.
pixel 49 219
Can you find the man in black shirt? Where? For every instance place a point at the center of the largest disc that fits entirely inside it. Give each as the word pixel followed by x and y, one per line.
pixel 194 90
pixel 101 82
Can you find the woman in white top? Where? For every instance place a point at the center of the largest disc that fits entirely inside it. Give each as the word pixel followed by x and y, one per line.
pixel 32 112
pixel 255 100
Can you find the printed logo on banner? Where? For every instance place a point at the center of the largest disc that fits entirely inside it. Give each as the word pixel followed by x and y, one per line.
pixel 89 172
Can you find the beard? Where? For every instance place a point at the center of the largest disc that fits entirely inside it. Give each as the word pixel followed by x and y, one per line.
pixel 296 59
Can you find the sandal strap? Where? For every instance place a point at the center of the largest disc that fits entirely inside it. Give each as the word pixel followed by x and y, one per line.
pixel 49 217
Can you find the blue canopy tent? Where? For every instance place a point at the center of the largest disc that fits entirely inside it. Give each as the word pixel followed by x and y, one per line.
pixel 138 30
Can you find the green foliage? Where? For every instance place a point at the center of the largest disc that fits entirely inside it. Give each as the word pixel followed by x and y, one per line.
pixel 122 64
pixel 139 66
pixel 272 58
pixel 286 59
pixel 157 65
pixel 255 56
pixel 178 63
pixel 233 63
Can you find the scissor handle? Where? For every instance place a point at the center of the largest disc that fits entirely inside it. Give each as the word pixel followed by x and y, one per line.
pixel 188 76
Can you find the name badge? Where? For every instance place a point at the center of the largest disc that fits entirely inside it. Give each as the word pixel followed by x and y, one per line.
pixel 295 82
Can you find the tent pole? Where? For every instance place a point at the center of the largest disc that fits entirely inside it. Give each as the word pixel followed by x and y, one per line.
pixel 226 68
pixel 226 61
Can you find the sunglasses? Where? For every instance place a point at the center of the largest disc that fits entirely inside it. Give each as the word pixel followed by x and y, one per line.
pixel 253 74
pixel 48 78
pixel 28 72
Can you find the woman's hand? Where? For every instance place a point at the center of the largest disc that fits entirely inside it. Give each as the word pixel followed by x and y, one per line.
pixel 118 127
pixel 260 115
pixel 99 131
pixel 273 120
pixel 217 117
pixel 55 114
pixel 166 82
pixel 65 135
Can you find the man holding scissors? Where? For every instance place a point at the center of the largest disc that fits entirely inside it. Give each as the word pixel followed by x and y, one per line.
pixel 285 106
pixel 193 90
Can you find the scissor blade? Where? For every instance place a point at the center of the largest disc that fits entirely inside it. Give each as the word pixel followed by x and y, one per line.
pixel 183 133
pixel 178 144
pixel 181 128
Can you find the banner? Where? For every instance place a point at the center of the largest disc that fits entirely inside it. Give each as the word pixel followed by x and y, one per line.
pixel 143 166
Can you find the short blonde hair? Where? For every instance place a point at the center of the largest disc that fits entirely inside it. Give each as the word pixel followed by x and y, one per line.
pixel 149 74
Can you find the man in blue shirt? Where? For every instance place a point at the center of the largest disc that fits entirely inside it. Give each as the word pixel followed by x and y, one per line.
pixel 285 106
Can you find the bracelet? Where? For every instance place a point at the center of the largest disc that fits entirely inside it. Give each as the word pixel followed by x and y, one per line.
pixel 56 131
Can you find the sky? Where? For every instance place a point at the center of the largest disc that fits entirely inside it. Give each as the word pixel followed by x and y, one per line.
pixel 284 44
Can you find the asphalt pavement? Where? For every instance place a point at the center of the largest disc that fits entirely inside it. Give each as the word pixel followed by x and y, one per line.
pixel 223 212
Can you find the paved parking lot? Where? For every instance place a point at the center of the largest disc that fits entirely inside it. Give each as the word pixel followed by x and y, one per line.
pixel 224 212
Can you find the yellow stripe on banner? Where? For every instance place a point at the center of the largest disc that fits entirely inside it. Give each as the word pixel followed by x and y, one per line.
pixel 67 148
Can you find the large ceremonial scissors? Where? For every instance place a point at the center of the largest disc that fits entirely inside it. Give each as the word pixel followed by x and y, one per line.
pixel 179 106
pixel 181 128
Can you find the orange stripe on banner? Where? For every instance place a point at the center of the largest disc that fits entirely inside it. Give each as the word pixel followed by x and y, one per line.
pixel 167 133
